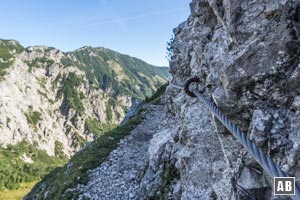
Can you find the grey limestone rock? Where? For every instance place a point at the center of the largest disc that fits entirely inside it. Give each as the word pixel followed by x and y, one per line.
pixel 247 56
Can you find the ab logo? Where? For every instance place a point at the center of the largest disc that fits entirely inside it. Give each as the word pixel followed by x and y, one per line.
pixel 284 185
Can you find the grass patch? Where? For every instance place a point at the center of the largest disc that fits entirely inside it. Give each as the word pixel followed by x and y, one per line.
pixel 51 101
pixel 6 49
pixel 58 181
pixel 108 112
pixel 58 150
pixel 17 194
pixel 78 140
pixel 3 67
pixel 5 54
pixel 111 103
pixel 33 117
pixel 12 45
pixel 39 62
pixel 42 82
pixel 155 98
pixel 55 82
pixel 71 97
pixel 13 169
pixel 96 127
pixel 67 62
pixel 8 120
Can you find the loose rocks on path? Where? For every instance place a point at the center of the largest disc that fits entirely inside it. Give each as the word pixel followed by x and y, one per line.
pixel 119 176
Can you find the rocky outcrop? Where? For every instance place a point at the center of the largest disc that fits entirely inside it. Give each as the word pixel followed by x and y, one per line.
pixel 49 97
pixel 247 56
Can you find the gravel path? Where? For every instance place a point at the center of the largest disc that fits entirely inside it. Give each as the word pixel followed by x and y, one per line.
pixel 119 176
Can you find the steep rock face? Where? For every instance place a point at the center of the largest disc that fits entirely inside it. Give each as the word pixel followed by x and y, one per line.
pixel 55 98
pixel 247 56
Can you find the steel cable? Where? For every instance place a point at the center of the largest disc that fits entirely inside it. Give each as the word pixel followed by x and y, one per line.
pixel 264 160
pixel 176 86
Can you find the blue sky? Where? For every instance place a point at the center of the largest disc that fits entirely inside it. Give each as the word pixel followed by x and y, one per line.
pixel 139 28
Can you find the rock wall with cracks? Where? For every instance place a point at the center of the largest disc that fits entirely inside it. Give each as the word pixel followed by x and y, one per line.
pixel 247 56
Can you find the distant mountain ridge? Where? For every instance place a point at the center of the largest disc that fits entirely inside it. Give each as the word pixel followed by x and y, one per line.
pixel 57 101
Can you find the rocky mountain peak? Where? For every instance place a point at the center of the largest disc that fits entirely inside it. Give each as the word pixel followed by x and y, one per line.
pixel 53 103
pixel 55 86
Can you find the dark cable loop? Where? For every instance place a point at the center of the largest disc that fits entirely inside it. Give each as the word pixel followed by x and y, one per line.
pixel 187 85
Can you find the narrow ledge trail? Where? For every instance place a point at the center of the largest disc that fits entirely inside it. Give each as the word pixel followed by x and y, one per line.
pixel 118 178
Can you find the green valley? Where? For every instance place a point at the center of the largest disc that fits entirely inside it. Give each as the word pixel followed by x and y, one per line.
pixel 62 101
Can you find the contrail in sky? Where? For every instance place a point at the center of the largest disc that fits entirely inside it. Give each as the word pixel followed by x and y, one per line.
pixel 129 18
